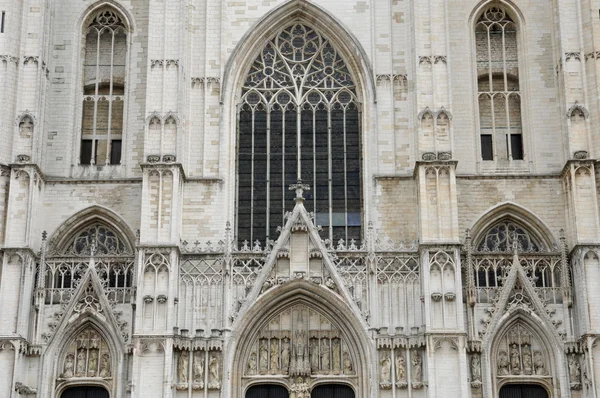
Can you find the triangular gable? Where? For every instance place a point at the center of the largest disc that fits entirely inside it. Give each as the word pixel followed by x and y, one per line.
pixel 299 221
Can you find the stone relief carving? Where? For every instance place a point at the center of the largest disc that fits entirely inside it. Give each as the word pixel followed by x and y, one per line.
pixel 299 388
pixel 386 371
pixel 520 354
pixel 574 372
pixel 417 370
pixel 475 371
pixel 214 381
pixel 87 356
pixel 182 367
pixel 401 370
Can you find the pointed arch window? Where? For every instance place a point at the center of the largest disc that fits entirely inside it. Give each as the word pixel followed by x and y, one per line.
pixel 299 119
pixel 498 88
pixel 104 76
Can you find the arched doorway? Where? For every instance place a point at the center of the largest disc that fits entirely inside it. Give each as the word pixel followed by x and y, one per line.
pixel 267 391
pixel 523 391
pixel 85 392
pixel 332 391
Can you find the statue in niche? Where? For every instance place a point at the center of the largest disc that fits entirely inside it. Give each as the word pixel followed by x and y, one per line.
pixel 400 369
pixel 574 370
pixel 314 356
pixel 417 370
pixel 274 356
pixel 198 369
pixel 213 368
pixel 515 360
pixel 105 366
pixel 94 340
pixel 182 367
pixel 325 355
pixel 299 389
pixel 475 368
pixel 26 127
pixel 263 357
pixel 69 366
pixel 337 366
pixel 347 363
pixel 252 363
pixel 538 363
pixel 386 371
pixel 80 363
pixel 502 363
pixel 527 365
pixel 285 355
pixel 93 363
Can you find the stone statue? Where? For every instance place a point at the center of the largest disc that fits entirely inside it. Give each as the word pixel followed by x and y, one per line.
pixel 263 357
pixel 198 368
pixel 299 389
pixel 325 355
pixel 252 364
pixel 475 368
pixel 337 365
pixel 81 363
pixel 502 363
pixel 213 368
pixel 93 363
pixel 574 370
pixel 347 363
pixel 274 356
pixel 285 355
pixel 386 369
pixel 400 368
pixel 94 340
pixel 182 367
pixel 68 368
pixel 538 363
pixel 314 356
pixel 515 360
pixel 527 365
pixel 26 127
pixel 417 371
pixel 105 366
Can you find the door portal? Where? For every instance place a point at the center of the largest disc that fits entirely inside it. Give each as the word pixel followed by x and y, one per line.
pixel 332 391
pixel 267 391
pixel 85 392
pixel 523 391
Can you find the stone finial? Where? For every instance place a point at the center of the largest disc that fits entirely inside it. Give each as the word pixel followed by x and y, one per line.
pixel 299 187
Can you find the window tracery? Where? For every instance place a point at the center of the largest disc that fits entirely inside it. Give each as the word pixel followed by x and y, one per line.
pixel 103 89
pixel 502 237
pixel 299 119
pixel 498 86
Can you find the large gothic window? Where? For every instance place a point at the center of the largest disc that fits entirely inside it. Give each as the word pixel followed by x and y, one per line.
pixel 498 86
pixel 103 89
pixel 299 119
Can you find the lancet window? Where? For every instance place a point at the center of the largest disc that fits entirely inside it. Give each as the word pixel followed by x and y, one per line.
pixel 299 119
pixel 104 73
pixel 96 246
pixel 499 93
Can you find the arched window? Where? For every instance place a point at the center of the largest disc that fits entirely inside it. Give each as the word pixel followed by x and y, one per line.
pixel 267 391
pixel 502 236
pixel 498 86
pixel 299 119
pixel 103 89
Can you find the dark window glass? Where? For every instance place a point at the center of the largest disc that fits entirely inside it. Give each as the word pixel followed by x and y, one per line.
pixel 332 391
pixel 2 22
pixel 86 152
pixel 115 152
pixel 267 391
pixel 85 392
pixel 487 151
pixel 516 146
pixel 523 391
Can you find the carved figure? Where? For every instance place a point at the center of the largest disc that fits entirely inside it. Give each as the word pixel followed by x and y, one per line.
pixel 515 360
pixel 538 363
pixel 337 365
pixel 314 356
pixel 274 356
pixel 347 363
pixel 252 364
pixel 416 368
pixel 475 368
pixel 105 366
pixel 264 357
pixel 94 340
pixel 81 363
pixel 213 368
pixel 285 355
pixel 198 368
pixel 69 365
pixel 386 368
pixel 93 363
pixel 26 127
pixel 325 355
pixel 527 365
pixel 574 370
pixel 502 363
pixel 182 367
pixel 400 368
pixel 299 389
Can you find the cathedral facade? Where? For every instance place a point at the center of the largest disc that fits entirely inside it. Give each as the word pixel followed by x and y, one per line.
pixel 294 198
